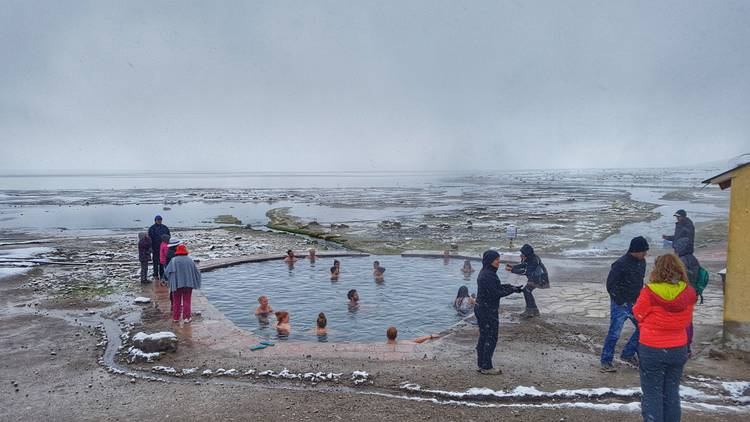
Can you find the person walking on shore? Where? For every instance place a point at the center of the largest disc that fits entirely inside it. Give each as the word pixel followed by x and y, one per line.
pixel 536 275
pixel 489 292
pixel 624 283
pixel 664 310
pixel 183 276
pixel 154 233
pixel 144 254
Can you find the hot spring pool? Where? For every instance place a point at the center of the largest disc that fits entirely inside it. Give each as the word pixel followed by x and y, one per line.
pixel 416 296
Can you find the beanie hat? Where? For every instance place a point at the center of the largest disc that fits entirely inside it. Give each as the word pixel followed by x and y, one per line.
pixel 181 250
pixel 680 213
pixel 157 218
pixel 638 244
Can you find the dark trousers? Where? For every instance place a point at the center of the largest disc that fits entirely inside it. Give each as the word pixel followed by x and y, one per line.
pixel 528 297
pixel 155 256
pixel 661 370
pixel 488 326
pixel 144 271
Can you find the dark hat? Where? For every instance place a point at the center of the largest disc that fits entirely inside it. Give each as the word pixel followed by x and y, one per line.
pixel 680 213
pixel 157 218
pixel 638 244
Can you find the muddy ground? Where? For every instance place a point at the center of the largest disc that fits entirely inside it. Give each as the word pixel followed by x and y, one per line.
pixel 51 351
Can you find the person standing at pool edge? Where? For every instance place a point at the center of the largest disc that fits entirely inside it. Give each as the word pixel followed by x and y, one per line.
pixel 489 292
pixel 536 275
pixel 183 276
pixel 624 284
pixel 155 232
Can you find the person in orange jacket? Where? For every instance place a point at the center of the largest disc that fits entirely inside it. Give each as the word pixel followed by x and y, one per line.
pixel 664 310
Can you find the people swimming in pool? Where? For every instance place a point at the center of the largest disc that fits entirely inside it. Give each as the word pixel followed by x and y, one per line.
pixel 464 303
pixel 320 325
pixel 377 271
pixel 353 297
pixel 391 334
pixel 466 269
pixel 335 270
pixel 282 323
pixel 290 258
pixel 263 307
pixel 311 255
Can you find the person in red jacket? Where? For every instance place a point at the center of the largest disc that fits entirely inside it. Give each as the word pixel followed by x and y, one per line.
pixel 664 310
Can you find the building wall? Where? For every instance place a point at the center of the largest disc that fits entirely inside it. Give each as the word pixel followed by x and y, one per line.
pixel 737 287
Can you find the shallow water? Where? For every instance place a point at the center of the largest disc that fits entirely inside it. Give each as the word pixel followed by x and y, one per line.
pixel 416 296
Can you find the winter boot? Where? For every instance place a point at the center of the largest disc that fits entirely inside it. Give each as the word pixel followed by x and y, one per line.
pixel 530 313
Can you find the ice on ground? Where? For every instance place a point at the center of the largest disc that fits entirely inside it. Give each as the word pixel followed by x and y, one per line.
pixel 141 336
pixel 8 272
pixel 25 253
pixel 736 389
pixel 360 376
pixel 136 353
pixel 188 371
pixel 164 370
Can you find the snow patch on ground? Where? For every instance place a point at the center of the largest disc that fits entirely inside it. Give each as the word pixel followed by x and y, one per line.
pixel 136 353
pixel 141 299
pixel 141 336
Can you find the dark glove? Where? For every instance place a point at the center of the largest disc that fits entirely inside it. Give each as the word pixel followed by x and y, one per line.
pixel 519 289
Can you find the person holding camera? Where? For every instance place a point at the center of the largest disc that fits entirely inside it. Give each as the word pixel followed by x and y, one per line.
pixel 489 292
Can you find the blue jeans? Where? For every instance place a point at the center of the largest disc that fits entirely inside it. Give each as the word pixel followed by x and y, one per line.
pixel 661 370
pixel 618 314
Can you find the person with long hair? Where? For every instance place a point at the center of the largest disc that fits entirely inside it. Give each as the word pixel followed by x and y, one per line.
pixel 664 310
pixel 463 303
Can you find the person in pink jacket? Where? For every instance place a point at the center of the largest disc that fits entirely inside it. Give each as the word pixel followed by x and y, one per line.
pixel 163 251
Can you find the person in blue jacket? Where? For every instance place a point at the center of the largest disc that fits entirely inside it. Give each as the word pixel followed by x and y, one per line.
pixel 489 292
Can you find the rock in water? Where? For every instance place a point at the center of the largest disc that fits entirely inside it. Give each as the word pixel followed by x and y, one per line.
pixel 165 341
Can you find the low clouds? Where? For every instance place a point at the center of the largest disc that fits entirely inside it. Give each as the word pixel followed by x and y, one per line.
pixel 372 86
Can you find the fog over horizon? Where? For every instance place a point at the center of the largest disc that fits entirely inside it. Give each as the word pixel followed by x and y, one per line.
pixel 311 86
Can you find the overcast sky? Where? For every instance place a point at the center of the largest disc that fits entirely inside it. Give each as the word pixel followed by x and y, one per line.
pixel 355 85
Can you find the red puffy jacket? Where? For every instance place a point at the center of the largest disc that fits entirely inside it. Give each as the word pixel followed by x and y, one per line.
pixel 664 311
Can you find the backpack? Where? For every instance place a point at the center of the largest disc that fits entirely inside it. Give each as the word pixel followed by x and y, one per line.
pixel 701 281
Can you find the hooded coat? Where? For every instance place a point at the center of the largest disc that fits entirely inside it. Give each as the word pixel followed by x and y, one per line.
pixel 182 272
pixel 144 247
pixel 489 288
pixel 683 230
pixel 664 311
pixel 532 268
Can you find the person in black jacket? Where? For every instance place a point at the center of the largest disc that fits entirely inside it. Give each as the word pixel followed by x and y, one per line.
pixel 154 232
pixel 683 229
pixel 536 275
pixel 624 284
pixel 489 292
pixel 144 254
